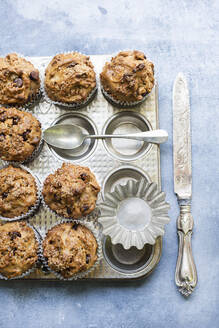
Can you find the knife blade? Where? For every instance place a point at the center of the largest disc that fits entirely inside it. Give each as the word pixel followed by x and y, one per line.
pixel 186 274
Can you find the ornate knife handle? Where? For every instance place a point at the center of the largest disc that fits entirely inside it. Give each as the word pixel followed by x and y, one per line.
pixel 186 274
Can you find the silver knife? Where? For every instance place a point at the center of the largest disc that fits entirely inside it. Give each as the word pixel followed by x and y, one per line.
pixel 186 274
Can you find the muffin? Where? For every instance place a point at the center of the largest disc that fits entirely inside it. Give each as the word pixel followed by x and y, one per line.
pixel 70 79
pixel 70 248
pixel 128 78
pixel 18 249
pixel 19 80
pixel 20 135
pixel 18 192
pixel 71 191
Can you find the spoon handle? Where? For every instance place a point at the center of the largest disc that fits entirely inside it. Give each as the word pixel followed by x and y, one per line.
pixel 154 136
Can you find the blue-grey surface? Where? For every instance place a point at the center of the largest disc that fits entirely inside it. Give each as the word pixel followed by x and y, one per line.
pixel 177 36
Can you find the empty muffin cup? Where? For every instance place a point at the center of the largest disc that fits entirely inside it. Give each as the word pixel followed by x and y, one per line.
pixel 88 147
pixel 133 260
pixel 126 122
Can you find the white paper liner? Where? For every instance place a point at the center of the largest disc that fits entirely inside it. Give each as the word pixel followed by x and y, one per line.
pixel 68 105
pixel 35 98
pixel 26 273
pixel 147 234
pixel 33 208
pixel 123 104
pixel 81 274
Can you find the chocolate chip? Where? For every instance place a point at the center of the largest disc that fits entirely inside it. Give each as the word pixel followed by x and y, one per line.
pixel 14 234
pixel 25 134
pixel 75 226
pixel 83 176
pixel 14 250
pixel 85 208
pixel 4 195
pixel 19 82
pixel 2 135
pixel 73 64
pixel 15 120
pixel 144 94
pixel 81 75
pixel 69 210
pixel 145 57
pixel 139 67
pixel 87 258
pixel 34 75
pixel 127 77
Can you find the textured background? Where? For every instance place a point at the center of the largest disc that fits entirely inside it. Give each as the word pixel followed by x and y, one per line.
pixel 177 36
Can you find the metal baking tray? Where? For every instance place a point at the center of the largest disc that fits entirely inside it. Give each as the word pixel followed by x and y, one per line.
pixel 111 161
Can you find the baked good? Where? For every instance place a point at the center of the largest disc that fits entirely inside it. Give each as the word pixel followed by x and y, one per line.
pixel 18 249
pixel 70 248
pixel 128 77
pixel 20 134
pixel 70 78
pixel 71 191
pixel 18 191
pixel 19 80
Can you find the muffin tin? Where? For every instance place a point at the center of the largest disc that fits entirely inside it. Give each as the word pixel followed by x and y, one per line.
pixel 110 162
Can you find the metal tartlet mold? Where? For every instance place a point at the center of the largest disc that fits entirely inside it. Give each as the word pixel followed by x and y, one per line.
pixel 33 208
pixel 88 147
pixel 75 105
pixel 126 122
pixel 134 214
pixel 121 175
pixel 37 263
pixel 122 104
pixel 81 274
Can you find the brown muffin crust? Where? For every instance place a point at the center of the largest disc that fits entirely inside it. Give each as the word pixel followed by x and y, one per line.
pixel 18 191
pixel 70 78
pixel 18 249
pixel 71 191
pixel 19 80
pixel 20 134
pixel 129 77
pixel 70 248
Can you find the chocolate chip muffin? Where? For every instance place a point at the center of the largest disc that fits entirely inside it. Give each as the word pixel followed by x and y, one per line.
pixel 71 191
pixel 70 248
pixel 18 249
pixel 18 192
pixel 128 78
pixel 19 80
pixel 20 134
pixel 70 78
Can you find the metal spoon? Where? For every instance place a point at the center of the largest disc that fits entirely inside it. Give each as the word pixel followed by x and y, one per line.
pixel 69 136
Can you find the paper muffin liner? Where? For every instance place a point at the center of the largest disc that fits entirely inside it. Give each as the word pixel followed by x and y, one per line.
pixel 81 274
pixel 78 105
pixel 26 273
pixel 33 208
pixel 115 102
pixel 36 151
pixel 144 234
pixel 34 99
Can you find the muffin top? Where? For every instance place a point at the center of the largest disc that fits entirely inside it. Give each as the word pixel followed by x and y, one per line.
pixel 70 78
pixel 18 191
pixel 20 134
pixel 18 249
pixel 71 191
pixel 70 248
pixel 128 77
pixel 19 80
